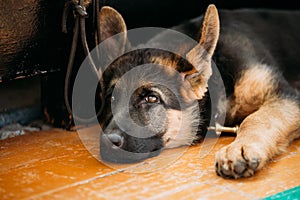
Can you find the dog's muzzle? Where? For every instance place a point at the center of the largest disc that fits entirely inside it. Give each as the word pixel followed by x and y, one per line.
pixel 113 148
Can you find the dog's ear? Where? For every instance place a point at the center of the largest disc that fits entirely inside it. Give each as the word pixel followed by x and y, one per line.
pixel 112 23
pixel 200 56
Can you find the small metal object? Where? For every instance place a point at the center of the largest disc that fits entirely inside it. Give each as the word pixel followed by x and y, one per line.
pixel 218 128
pixel 81 10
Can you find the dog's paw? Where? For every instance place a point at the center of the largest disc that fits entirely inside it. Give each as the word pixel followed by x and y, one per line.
pixel 239 160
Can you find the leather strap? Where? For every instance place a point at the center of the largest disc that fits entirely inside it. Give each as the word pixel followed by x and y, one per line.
pixel 80 15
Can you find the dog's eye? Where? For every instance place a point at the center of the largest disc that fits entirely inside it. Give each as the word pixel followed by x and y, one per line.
pixel 152 99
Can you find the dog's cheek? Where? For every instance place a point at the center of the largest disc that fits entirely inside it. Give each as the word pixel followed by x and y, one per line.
pixel 173 128
pixel 157 120
pixel 181 127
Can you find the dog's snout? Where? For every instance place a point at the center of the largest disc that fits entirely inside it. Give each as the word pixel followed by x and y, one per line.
pixel 116 138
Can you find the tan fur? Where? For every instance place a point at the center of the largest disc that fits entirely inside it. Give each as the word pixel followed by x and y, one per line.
pixel 210 29
pixel 254 88
pixel 188 93
pixel 201 55
pixel 111 24
pixel 199 78
pixel 263 134
pixel 270 123
pixel 164 61
pixel 182 127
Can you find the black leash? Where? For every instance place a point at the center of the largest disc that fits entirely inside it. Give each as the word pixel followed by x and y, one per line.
pixel 80 15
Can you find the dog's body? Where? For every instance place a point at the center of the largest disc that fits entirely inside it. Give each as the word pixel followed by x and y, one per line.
pixel 256 53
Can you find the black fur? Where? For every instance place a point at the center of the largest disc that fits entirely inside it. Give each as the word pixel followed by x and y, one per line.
pixel 246 38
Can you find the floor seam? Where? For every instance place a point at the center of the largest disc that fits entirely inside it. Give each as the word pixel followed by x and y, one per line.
pixel 76 184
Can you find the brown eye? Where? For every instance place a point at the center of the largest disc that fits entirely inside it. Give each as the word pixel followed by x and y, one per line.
pixel 151 99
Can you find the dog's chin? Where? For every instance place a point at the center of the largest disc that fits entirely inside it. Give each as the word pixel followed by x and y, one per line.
pixel 113 154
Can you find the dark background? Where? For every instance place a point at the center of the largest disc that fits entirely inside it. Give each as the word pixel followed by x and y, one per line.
pixel 33 45
pixel 31 41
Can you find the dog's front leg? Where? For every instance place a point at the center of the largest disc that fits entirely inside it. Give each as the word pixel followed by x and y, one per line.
pixel 262 135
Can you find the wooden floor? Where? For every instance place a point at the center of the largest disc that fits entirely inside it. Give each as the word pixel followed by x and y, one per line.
pixel 56 165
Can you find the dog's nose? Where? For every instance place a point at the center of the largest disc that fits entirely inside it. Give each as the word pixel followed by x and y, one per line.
pixel 118 147
pixel 116 139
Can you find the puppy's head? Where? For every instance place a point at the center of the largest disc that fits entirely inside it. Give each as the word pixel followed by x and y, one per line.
pixel 154 99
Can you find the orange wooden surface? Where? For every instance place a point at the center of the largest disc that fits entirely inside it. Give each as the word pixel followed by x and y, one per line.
pixel 56 165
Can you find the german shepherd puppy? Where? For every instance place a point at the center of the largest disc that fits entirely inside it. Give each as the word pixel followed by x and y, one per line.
pixel 257 54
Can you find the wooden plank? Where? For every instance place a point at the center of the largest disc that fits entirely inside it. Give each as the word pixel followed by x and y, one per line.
pixel 56 165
